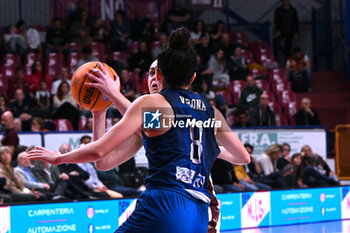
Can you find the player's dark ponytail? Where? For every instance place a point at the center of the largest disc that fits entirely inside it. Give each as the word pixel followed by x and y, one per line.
pixel 178 60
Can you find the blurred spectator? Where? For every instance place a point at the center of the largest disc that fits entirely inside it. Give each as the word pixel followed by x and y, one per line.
pixel 3 107
pixel 38 74
pixel 88 124
pixel 218 30
pixel 14 183
pixel 74 12
pixel 31 36
pixel 262 115
pixel 163 39
pixel 137 24
pixel 63 96
pixel 86 139
pixel 286 27
pixel 113 181
pixel 141 28
pixel 51 175
pixel 317 162
pixel 98 31
pixel 238 65
pixel 306 115
pixel 246 181
pixel 198 31
pixel 286 151
pixel 120 32
pixel 250 95
pixel 298 67
pixel 56 37
pixel 18 82
pixel 42 99
pixel 24 170
pixel 271 174
pixel 128 88
pixel 177 16
pixel 86 56
pixel 37 124
pixel 64 77
pixel 15 42
pixel 141 61
pixel 10 137
pixel 202 74
pixel 296 162
pixel 226 44
pixel 242 119
pixel 217 67
pixel 204 50
pixel 21 109
pixel 205 92
pixel 224 176
pixel 80 29
pixel 77 177
pixel 65 105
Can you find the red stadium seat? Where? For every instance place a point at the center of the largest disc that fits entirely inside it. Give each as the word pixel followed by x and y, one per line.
pixel 258 74
pixel 54 63
pixel 134 77
pixel 281 120
pixel 8 72
pixel 259 44
pixel 121 56
pixel 134 47
pixel 31 58
pixel 154 45
pixel 3 86
pixel 12 60
pixel 75 47
pixel 73 60
pixel 227 96
pixel 263 84
pixel 98 50
pixel 247 54
pixel 63 125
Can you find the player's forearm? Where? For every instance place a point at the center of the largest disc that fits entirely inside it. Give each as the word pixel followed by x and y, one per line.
pixel 99 124
pixel 120 102
pixel 121 154
pixel 233 150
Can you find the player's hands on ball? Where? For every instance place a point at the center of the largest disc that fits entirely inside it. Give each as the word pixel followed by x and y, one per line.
pixel 41 153
pixel 106 85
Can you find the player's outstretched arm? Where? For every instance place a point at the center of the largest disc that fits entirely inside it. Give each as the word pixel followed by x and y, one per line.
pixel 122 153
pixel 129 125
pixel 232 150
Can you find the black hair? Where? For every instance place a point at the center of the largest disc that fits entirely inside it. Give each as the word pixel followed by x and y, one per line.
pixel 84 137
pixel 86 50
pixel 178 60
pixel 297 50
pixel 249 146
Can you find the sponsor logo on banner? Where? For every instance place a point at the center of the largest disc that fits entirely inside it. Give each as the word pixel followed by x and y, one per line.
pixel 5 219
pixel 256 207
pixel 345 203
pixel 127 212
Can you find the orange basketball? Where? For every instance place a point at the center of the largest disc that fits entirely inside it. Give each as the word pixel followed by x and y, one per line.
pixel 90 98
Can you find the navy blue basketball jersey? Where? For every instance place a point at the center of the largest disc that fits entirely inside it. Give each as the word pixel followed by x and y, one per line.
pixel 182 157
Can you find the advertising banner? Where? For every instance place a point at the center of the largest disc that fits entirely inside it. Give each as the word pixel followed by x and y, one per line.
pixel 4 219
pixel 255 210
pixel 230 211
pixel 305 205
pixel 54 140
pixel 345 203
pixel 97 216
pixel 261 139
pixel 29 139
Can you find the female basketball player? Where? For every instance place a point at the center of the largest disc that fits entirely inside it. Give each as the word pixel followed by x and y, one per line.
pixel 180 159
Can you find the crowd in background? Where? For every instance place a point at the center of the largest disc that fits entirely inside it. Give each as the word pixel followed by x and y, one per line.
pixel 229 75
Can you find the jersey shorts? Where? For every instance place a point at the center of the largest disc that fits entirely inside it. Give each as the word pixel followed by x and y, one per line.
pixel 166 210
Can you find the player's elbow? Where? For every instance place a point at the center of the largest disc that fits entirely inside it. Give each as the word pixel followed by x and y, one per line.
pixel 100 165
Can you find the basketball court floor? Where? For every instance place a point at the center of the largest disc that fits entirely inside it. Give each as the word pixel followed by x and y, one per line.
pixel 320 227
